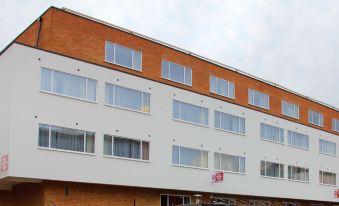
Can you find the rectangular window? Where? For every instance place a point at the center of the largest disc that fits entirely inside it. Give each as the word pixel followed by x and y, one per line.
pixel 189 157
pixel 327 178
pixel 271 169
pixel 298 140
pixel 335 125
pixel 298 173
pixel 271 133
pixel 315 118
pixel 327 147
pixel 260 203
pixel 126 148
pixel 229 163
pixel 68 85
pixel 123 56
pixel 176 72
pixel 290 109
pixel 190 113
pixel 66 139
pixel 222 87
pixel 170 200
pixel 127 98
pixel 229 122
pixel 258 99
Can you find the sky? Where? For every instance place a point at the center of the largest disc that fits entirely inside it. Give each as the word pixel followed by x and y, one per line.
pixel 294 43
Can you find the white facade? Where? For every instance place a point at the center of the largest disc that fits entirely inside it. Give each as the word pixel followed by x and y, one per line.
pixel 23 106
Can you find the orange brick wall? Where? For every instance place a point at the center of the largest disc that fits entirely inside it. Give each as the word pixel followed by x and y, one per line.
pixel 73 36
pixel 52 193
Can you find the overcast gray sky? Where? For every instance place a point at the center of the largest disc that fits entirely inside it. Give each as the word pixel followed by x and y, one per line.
pixel 294 43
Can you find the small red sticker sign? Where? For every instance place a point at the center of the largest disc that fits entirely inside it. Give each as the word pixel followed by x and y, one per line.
pixel 218 177
pixel 336 193
pixel 4 163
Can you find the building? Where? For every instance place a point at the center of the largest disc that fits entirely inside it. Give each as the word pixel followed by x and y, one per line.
pixel 94 114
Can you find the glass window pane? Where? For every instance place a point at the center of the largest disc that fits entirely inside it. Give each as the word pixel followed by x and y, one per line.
pixel 69 85
pixel 109 94
pixel 128 98
pixel 137 60
pixel 46 78
pixel 43 135
pixel 175 155
pixel 67 139
pixel 146 102
pixel 188 76
pixel 108 145
pixel 90 142
pixel 123 56
pixel 145 150
pixel 126 148
pixel 177 73
pixel 91 89
pixel 109 52
pixel 165 69
pixel 213 84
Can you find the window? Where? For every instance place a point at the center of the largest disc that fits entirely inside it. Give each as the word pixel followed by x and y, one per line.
pixel 66 139
pixel 126 148
pixel 315 118
pixel 190 113
pixel 176 72
pixel 170 200
pixel 127 98
pixel 229 122
pixel 229 163
pixel 335 125
pixel 260 203
pixel 298 140
pixel 68 85
pixel 290 109
pixel 271 133
pixel 271 169
pixel 327 147
pixel 189 157
pixel 298 173
pixel 123 56
pixel 327 178
pixel 222 87
pixel 258 99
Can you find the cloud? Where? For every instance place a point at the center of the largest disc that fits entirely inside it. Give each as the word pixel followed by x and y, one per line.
pixel 291 42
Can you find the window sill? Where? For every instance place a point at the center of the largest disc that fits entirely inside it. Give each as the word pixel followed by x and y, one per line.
pixel 331 155
pixel 190 85
pixel 70 97
pixel 126 158
pixel 127 109
pixel 66 151
pixel 223 130
pixel 268 109
pixel 297 118
pixel 300 181
pixel 272 141
pixel 327 185
pixel 272 178
pixel 230 172
pixel 322 126
pixel 191 167
pixel 120 65
pixel 187 122
pixel 306 149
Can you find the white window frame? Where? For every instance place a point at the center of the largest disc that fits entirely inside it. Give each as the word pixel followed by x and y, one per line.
pixel 169 71
pixel 252 100
pixel 127 158
pixel 335 124
pixel 229 171
pixel 188 166
pixel 296 146
pixel 280 166
pixel 69 96
pixel 133 51
pixel 295 180
pixel 295 106
pixel 322 178
pixel 174 195
pixel 320 148
pixel 228 86
pixel 230 131
pixel 274 141
pixel 321 120
pixel 189 122
pixel 64 150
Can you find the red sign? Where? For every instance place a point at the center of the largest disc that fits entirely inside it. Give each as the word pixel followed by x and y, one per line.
pixel 218 177
pixel 4 163
pixel 336 193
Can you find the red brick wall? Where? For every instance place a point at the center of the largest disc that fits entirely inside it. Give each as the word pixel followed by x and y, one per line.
pixel 52 193
pixel 80 38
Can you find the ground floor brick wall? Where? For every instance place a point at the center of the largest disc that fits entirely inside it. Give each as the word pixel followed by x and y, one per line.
pixel 53 193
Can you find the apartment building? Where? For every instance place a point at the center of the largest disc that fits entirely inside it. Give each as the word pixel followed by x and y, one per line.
pixel 94 114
